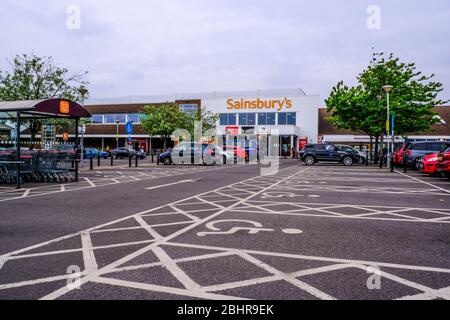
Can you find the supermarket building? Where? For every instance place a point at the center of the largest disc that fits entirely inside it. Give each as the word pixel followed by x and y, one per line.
pixel 286 118
pixel 289 116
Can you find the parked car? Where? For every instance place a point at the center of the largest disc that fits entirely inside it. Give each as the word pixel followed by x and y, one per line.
pixel 313 153
pixel 398 155
pixel 443 163
pixel 361 156
pixel 428 163
pixel 416 150
pixel 238 152
pixel 123 152
pixel 141 154
pixel 206 154
pixel 94 153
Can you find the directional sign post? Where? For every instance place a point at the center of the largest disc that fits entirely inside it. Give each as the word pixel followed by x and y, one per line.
pixel 129 130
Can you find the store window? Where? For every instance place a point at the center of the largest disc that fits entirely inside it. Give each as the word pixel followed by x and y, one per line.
pixel 247 119
pixel 266 118
pixel 122 118
pixel 227 119
pixel 134 118
pixel 190 109
pixel 110 118
pixel 97 118
pixel 287 118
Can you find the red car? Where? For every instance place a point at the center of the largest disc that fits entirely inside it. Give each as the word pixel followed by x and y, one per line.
pixel 429 163
pixel 238 152
pixel 443 163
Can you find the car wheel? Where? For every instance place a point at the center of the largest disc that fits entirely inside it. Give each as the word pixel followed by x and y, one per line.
pixel 309 160
pixel 347 161
pixel 416 165
pixel 167 161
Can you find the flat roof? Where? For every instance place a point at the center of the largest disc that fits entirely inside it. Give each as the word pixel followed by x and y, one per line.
pixel 138 99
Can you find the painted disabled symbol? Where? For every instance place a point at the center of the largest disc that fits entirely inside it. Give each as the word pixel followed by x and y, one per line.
pixel 254 228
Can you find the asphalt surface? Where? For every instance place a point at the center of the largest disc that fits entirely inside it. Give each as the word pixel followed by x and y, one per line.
pixel 228 232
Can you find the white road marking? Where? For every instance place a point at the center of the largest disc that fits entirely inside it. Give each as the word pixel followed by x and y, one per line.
pixel 90 264
pixel 172 184
pixel 170 290
pixel 175 270
pixel 427 183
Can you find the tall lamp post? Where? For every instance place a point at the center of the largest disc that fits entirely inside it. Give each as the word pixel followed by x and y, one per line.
pixel 388 89
pixel 117 133
pixel 83 92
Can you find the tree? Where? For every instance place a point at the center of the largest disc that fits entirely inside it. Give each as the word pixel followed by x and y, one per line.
pixel 363 108
pixel 208 121
pixel 163 120
pixel 35 78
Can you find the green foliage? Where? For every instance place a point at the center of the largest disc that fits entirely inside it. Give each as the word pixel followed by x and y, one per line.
pixel 363 108
pixel 208 120
pixel 164 119
pixel 35 78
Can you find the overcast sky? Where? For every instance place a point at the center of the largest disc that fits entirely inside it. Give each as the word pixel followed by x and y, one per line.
pixel 156 47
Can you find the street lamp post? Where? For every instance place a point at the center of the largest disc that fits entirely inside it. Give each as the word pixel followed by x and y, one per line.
pixel 117 133
pixel 388 89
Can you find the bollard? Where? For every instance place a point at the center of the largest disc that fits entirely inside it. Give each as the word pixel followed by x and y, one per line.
pixel 381 159
pixel 405 166
pixel 136 161
pixel 367 158
pixel 392 164
pixel 91 163
pixel 98 161
pixel 129 160
pixel 112 160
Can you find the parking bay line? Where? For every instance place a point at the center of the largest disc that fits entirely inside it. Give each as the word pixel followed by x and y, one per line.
pixel 430 184
pixel 97 275
pixel 172 184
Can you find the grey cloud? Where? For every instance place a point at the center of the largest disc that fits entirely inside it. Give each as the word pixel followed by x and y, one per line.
pixel 148 47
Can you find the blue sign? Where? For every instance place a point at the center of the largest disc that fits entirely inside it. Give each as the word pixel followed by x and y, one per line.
pixel 129 127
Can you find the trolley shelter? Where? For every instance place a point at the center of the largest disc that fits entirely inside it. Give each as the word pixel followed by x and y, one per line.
pixel 19 111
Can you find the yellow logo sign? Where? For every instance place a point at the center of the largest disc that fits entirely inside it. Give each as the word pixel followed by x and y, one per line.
pixel 64 107
pixel 65 136
pixel 259 104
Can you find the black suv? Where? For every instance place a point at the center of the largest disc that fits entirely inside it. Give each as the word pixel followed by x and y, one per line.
pixel 313 153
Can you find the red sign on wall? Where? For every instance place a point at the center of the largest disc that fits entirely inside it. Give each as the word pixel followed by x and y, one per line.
pixel 234 130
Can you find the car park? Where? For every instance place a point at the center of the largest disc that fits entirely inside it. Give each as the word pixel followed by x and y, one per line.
pixel 123 153
pixel 141 154
pixel 443 163
pixel 95 153
pixel 417 150
pixel 196 153
pixel 239 153
pixel 361 156
pixel 314 153
pixel 428 163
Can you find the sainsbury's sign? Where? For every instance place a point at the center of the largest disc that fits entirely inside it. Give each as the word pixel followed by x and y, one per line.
pixel 259 104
